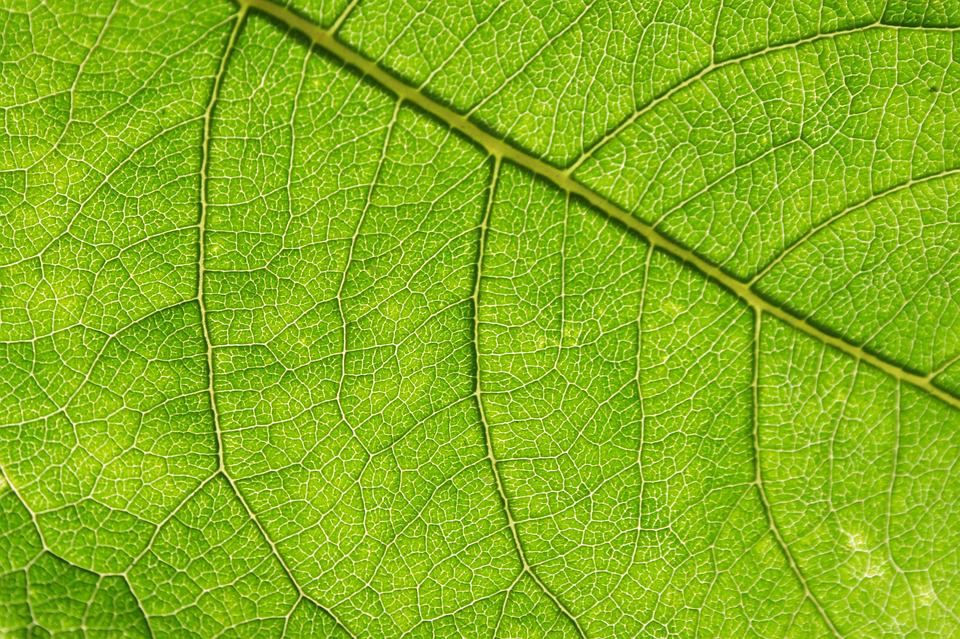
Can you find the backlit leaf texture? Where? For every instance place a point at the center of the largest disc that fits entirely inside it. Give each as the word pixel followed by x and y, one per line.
pixel 480 318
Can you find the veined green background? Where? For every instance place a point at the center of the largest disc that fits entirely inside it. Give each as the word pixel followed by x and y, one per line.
pixel 559 319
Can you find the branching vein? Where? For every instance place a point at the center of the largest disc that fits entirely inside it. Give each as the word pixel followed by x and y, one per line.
pixel 487 435
pixel 563 180
pixel 204 207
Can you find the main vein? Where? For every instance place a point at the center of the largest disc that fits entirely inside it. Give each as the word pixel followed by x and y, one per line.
pixel 504 150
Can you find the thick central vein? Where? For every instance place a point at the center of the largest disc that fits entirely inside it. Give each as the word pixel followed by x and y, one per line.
pixel 503 150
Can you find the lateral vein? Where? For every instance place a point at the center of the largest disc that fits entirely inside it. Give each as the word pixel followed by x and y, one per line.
pixel 202 224
pixel 202 227
pixel 487 435
pixel 762 491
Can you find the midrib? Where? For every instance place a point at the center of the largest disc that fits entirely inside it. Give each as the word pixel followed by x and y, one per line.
pixel 503 150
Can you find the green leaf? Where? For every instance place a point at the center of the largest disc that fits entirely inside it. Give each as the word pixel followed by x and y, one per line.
pixel 379 318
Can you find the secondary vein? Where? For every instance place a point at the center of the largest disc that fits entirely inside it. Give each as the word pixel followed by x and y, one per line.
pixel 761 489
pixel 204 321
pixel 202 224
pixel 487 435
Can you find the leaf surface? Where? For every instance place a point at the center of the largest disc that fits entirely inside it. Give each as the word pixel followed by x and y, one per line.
pixel 486 319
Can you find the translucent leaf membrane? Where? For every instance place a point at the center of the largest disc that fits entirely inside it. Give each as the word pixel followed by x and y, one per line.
pixel 43 595
pixel 209 572
pixel 281 355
